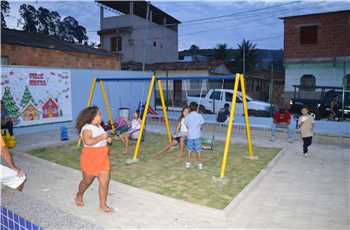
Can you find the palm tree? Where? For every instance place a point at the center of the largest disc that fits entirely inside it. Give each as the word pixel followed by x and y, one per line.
pixel 221 52
pixel 247 56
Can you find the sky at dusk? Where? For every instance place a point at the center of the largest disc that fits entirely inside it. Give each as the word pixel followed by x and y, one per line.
pixel 257 21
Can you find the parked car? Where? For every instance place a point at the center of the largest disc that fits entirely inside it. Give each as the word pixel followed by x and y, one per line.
pixel 321 107
pixel 215 99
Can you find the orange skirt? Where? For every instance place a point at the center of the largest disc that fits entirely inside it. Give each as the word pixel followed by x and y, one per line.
pixel 94 160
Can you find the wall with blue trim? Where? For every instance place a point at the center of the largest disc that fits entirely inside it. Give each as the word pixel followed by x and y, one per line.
pixel 120 94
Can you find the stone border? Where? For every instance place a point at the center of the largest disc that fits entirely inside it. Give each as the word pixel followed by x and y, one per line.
pixel 234 204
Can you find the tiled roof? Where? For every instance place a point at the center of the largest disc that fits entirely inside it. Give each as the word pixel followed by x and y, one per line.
pixel 18 37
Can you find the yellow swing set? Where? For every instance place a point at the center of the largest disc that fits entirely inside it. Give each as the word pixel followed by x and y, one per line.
pixel 239 79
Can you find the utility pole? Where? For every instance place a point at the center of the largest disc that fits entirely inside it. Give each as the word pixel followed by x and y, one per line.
pixel 244 57
pixel 145 37
pixel 271 86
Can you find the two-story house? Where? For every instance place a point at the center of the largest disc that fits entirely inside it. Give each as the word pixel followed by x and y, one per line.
pixel 317 52
pixel 140 33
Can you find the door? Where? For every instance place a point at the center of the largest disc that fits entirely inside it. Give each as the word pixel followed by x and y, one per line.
pixel 215 101
pixel 239 104
pixel 178 101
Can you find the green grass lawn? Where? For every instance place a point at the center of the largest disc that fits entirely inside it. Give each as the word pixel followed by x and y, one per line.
pixel 168 176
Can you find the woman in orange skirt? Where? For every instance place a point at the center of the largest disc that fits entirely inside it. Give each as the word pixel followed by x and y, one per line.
pixel 94 158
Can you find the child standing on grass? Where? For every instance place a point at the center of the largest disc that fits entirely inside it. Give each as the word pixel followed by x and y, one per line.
pixel 194 122
pixel 306 125
pixel 94 158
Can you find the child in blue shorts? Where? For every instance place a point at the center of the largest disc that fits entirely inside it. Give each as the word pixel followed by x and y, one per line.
pixel 194 122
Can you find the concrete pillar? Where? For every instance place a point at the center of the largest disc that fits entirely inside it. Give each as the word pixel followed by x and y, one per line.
pixel 131 8
pixel 151 16
pixel 101 16
pixel 164 21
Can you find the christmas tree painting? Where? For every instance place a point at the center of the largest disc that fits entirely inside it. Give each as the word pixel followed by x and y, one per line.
pixel 27 97
pixel 10 103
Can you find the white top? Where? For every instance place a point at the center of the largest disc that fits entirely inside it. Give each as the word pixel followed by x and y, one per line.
pixel 96 131
pixel 135 124
pixel 183 128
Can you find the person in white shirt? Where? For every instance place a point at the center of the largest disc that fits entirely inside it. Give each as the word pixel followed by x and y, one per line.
pixel 179 136
pixel 194 122
pixel 133 132
pixel 94 158
pixel 306 126
pixel 11 176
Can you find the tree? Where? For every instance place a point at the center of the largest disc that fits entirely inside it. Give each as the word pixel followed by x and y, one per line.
pixel 250 56
pixel 10 103
pixel 70 30
pixel 221 51
pixel 194 50
pixel 29 17
pixel 50 23
pixel 27 97
pixel 5 10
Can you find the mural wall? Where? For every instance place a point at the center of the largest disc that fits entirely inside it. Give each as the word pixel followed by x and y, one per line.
pixel 34 96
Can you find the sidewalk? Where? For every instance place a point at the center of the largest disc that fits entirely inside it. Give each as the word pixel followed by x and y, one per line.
pixel 293 193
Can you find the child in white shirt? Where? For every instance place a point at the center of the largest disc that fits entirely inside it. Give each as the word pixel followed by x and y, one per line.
pixel 133 132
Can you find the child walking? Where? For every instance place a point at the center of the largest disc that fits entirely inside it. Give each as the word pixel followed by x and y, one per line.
pixel 180 135
pixel 133 132
pixel 94 158
pixel 194 122
pixel 306 125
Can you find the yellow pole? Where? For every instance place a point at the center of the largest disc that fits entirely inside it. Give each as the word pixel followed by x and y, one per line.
pixel 229 129
pixel 161 94
pixel 91 95
pixel 144 117
pixel 246 118
pixel 92 90
pixel 107 106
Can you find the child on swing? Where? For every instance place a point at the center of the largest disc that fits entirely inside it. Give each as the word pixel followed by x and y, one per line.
pixel 180 135
pixel 194 122
pixel 133 132
pixel 94 158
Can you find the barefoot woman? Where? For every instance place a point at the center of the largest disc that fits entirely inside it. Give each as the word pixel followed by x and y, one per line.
pixel 94 158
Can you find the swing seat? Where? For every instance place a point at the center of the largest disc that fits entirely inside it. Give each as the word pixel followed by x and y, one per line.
pixel 207 143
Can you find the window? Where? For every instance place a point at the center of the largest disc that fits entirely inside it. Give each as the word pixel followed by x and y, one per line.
pixel 154 44
pixel 116 44
pixel 228 97
pixel 216 95
pixel 308 82
pixel 5 60
pixel 308 35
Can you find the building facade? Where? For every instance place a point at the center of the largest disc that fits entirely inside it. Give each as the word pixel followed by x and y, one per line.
pixel 316 52
pixel 30 49
pixel 258 82
pixel 141 33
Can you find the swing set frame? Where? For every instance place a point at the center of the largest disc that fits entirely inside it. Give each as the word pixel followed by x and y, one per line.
pixel 239 79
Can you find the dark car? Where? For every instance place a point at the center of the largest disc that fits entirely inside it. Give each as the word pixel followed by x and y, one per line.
pixel 321 107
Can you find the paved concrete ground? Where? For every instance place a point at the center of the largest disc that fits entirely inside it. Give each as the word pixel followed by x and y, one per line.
pixel 293 193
